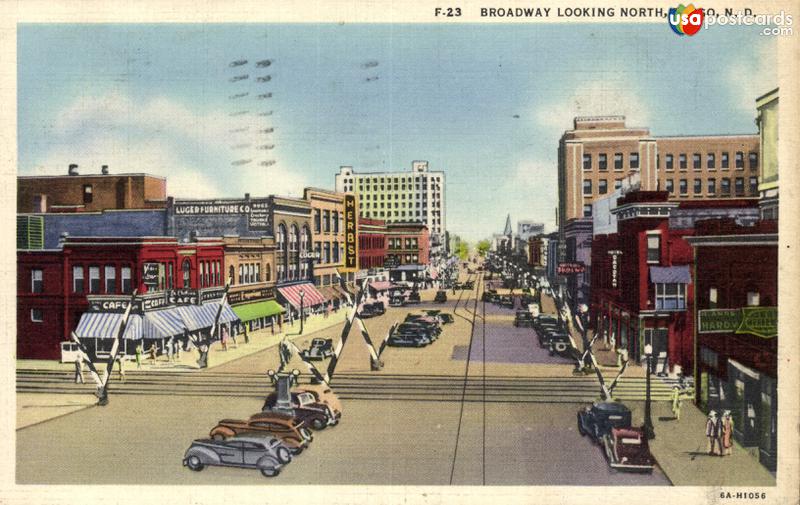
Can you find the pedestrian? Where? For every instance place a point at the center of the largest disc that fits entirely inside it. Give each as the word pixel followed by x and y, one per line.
pixel 712 433
pixel 224 339
pixel 138 353
pixel 727 433
pixel 152 353
pixel 676 403
pixel 178 346
pixel 79 370
pixel 121 365
pixel 170 350
pixel 233 337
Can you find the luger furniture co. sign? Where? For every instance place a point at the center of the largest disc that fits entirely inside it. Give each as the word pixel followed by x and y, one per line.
pixel 350 234
pixel 759 321
pixel 256 210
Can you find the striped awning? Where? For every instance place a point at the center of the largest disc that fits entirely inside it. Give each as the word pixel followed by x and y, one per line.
pixel 106 325
pixel 380 285
pixel 196 317
pixel 311 297
pixel 162 324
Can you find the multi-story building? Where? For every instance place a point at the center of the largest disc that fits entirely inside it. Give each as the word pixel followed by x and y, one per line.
pixel 371 243
pixel 89 193
pixel 401 197
pixel 407 244
pixel 327 238
pixel 767 120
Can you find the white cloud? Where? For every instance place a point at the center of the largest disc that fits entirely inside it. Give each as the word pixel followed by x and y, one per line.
pixel 749 77
pixel 600 97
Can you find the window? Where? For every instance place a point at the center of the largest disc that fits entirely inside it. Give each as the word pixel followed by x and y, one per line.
pixel 739 159
pixel 602 186
pixel 682 161
pixel 753 299
pixel 327 257
pixel 617 184
pixel 587 161
pixel 125 275
pixel 587 211
pixel 187 270
pixel 336 252
pixel 712 186
pixel 87 193
pixel 709 357
pixel 170 276
pixel 267 273
pixel 110 275
pixel 317 220
pixel 617 161
pixel 698 186
pixel 753 159
pixel 587 187
pixel 634 160
pixel 671 296
pixel 602 161
pixel 713 298
pixel 711 161
pixel 37 281
pixel 725 186
pixel 258 272
pixel 669 162
pixel 683 186
pixel 653 248
pixel 724 160
pixel 326 221
pixel 77 279
pixel 335 218
pixel 739 185
pixel 37 315
pixel 669 186
pixel 696 161
pixel 94 279
pixel 753 185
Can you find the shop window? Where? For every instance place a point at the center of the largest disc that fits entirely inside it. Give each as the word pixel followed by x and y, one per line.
pixel 709 357
pixel 653 248
pixel 37 281
pixel 125 276
pixel 77 279
pixel 94 279
pixel 753 299
pixel 170 276
pixel 713 298
pixel 187 272
pixel 110 278
pixel 671 296
pixel 37 315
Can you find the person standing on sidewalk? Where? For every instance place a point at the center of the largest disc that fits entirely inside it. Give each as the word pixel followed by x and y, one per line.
pixel 138 353
pixel 121 365
pixel 152 353
pixel 170 350
pixel 712 432
pixel 79 370
pixel 224 339
pixel 727 433
pixel 676 403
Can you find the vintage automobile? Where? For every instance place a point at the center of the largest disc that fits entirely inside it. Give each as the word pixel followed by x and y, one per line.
pixel 442 317
pixel 266 454
pixel 408 339
pixel 320 348
pixel 413 297
pixel 441 296
pixel 291 431
pixel 323 394
pixel 598 419
pixel 489 295
pixel 417 328
pixel 506 301
pixel 557 341
pixel 368 310
pixel 469 285
pixel 627 450
pixel 523 319
pixel 305 406
pixel 397 300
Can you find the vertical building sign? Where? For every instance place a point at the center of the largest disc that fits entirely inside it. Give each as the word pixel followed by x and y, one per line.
pixel 615 254
pixel 350 234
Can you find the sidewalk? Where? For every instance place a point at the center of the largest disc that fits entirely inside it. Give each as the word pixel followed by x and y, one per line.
pixel 680 449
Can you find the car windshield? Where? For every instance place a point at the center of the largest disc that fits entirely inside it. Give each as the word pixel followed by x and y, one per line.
pixel 305 398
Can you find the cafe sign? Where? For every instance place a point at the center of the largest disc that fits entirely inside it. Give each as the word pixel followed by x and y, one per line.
pixel 759 321
pixel 152 301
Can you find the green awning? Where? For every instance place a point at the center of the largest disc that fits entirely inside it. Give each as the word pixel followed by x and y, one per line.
pixel 250 311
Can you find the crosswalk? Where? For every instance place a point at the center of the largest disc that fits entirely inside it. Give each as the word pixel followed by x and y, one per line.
pixel 360 386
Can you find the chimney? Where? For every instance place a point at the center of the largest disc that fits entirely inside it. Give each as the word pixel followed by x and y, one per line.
pixel 73 169
pixel 104 170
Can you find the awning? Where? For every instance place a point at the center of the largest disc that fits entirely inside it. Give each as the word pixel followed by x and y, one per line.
pixel 434 275
pixel 196 317
pixel 106 325
pixel 292 294
pixel 330 293
pixel 380 285
pixel 162 324
pixel 409 268
pixel 670 275
pixel 255 310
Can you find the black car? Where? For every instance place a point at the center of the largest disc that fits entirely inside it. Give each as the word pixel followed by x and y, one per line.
pixel 441 296
pixel 319 349
pixel 408 338
pixel 445 318
pixel 598 419
pixel 397 300
pixel 419 328
pixel 371 310
pixel 558 342
pixel 523 319
pixel 413 297
pixel 469 285
pixel 489 295
pixel 506 301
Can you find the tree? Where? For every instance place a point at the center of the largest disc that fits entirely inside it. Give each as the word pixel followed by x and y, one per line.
pixel 462 250
pixel 483 247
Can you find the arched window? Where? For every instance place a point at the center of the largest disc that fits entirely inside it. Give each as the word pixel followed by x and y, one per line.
pixel 232 275
pixel 281 238
pixel 305 239
pixel 294 238
pixel 267 273
pixel 187 273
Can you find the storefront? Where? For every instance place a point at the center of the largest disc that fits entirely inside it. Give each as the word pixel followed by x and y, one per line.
pixel 256 308
pixel 304 295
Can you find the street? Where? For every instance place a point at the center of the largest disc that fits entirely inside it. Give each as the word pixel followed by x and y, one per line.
pixel 483 405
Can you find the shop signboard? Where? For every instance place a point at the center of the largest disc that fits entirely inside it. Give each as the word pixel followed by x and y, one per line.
pixel 571 268
pixel 759 321
pixel 150 274
pixel 350 234
pixel 251 295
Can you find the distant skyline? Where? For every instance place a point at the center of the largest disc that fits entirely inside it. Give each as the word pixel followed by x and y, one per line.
pixel 484 103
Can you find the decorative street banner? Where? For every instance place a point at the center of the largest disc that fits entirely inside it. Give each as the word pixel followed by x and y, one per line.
pixel 571 268
pixel 350 234
pixel 759 321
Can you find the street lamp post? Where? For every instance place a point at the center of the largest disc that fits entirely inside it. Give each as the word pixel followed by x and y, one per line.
pixel 648 420
pixel 302 296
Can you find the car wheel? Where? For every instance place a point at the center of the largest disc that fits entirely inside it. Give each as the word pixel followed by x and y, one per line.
pixel 318 424
pixel 270 472
pixel 284 456
pixel 580 427
pixel 298 450
pixel 194 463
pixel 307 434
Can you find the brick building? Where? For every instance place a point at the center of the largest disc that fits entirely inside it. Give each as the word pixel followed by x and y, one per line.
pixel 371 243
pixel 89 193
pixel 407 243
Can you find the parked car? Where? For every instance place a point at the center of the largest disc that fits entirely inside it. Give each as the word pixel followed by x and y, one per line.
pixel 320 348
pixel 490 295
pixel 305 406
pixel 414 327
pixel 441 296
pixel 558 342
pixel 469 285
pixel 368 310
pixel 323 394
pixel 506 301
pixel 598 419
pixel 627 450
pixel 523 319
pixel 413 297
pixel 291 431
pixel 408 338
pixel 268 455
pixel 442 317
pixel 397 300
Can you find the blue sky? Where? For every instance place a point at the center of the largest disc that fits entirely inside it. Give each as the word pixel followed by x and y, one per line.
pixel 156 98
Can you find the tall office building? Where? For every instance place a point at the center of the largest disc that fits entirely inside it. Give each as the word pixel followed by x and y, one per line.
pixel 417 195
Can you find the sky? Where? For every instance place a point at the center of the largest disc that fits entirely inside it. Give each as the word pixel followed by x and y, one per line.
pixel 486 104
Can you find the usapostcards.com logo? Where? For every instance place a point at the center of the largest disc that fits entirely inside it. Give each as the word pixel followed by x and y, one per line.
pixel 685 20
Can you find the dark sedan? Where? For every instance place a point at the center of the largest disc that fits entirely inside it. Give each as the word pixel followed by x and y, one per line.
pixel 598 419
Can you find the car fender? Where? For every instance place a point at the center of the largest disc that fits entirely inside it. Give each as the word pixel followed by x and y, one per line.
pixel 222 430
pixel 207 456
